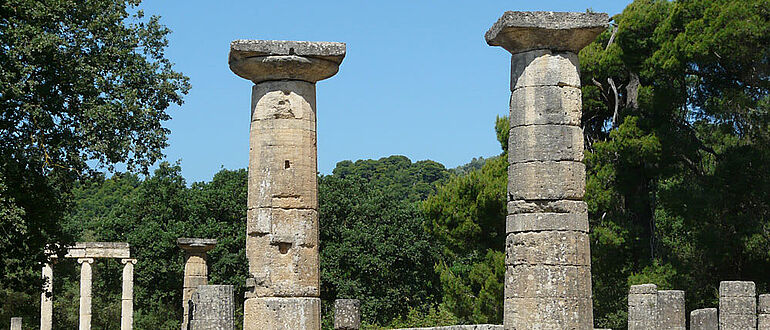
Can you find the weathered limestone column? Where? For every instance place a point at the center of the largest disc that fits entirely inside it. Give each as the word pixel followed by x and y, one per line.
pixel 46 298
pixel 16 323
pixel 737 305
pixel 282 217
pixel 763 309
pixel 548 262
pixel 643 307
pixel 347 314
pixel 127 300
pixel 211 308
pixel 86 276
pixel 704 319
pixel 671 310
pixel 196 271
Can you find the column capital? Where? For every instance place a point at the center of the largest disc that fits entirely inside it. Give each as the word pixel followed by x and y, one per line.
pixel 263 60
pixel 196 245
pixel 127 260
pixel 522 31
pixel 88 260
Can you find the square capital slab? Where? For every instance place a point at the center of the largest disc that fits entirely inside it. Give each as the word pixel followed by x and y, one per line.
pixel 263 60
pixel 196 244
pixel 522 31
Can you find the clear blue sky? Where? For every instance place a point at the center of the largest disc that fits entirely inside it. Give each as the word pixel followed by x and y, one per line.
pixel 418 79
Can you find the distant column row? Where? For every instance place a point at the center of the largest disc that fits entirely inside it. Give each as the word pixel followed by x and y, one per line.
pixel 739 308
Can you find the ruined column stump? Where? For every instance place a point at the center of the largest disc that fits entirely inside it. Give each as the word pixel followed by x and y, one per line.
pixel 704 319
pixel 548 262
pixel 347 314
pixel 16 323
pixel 737 305
pixel 643 307
pixel 211 308
pixel 671 310
pixel 196 271
pixel 763 309
pixel 282 217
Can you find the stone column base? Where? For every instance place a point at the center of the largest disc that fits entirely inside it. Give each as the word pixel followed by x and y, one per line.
pixel 282 313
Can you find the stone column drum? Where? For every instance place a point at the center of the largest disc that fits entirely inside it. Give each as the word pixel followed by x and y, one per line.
pixel 196 270
pixel 763 319
pixel 282 217
pixel 211 308
pixel 46 298
pixel 127 299
pixel 737 305
pixel 643 307
pixel 548 263
pixel 16 323
pixel 704 319
pixel 671 310
pixel 86 276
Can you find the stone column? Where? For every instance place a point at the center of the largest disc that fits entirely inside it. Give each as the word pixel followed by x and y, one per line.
pixel 16 323
pixel 347 314
pixel 548 262
pixel 642 307
pixel 282 217
pixel 737 305
pixel 46 298
pixel 211 307
pixel 671 310
pixel 85 293
pixel 763 309
pixel 196 271
pixel 127 301
pixel 704 319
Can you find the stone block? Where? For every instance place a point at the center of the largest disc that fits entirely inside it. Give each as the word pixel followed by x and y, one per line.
pixel 283 177
pixel 546 181
pixel 545 143
pixel 297 227
pixel 547 206
pixel 763 307
pixel 263 60
pixel 548 282
pixel 567 248
pixel 543 67
pixel 737 305
pixel 529 222
pixel 704 319
pixel 347 314
pixel 542 314
pixel 519 31
pixel 642 307
pixel 283 269
pixel 16 323
pixel 194 281
pixel 544 105
pixel 211 308
pixel 284 104
pixel 671 310
pixel 282 313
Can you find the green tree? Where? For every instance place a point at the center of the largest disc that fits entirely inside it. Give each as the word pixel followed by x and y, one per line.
pixel 83 85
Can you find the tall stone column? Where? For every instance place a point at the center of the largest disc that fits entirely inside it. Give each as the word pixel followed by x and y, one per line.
pixel 46 298
pixel 86 276
pixel 548 262
pixel 127 301
pixel 196 270
pixel 737 305
pixel 282 217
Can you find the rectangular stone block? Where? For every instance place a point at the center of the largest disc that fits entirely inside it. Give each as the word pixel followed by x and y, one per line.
pixel 529 222
pixel 284 177
pixel 212 308
pixel 539 313
pixel 347 314
pixel 547 281
pixel 546 181
pixel 282 269
pixel 737 305
pixel 282 313
pixel 544 68
pixel 543 105
pixel 671 310
pixel 548 206
pixel 286 99
pixel 567 248
pixel 298 227
pixel 545 143
pixel 16 323
pixel 642 307
pixel 704 319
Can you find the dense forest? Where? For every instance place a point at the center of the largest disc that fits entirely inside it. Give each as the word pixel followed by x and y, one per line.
pixel 676 118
